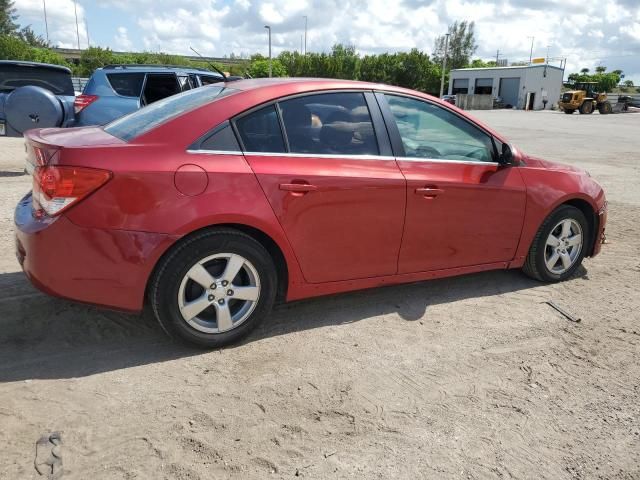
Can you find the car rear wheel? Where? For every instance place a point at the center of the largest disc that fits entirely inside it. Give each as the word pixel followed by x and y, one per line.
pixel 559 246
pixel 214 288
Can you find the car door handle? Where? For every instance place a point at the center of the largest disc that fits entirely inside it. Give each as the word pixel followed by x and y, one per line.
pixel 429 192
pixel 298 187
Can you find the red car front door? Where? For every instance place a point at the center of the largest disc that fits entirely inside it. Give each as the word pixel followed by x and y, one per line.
pixel 340 203
pixel 463 208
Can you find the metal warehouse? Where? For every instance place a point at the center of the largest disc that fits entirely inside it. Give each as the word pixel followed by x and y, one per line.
pixel 533 87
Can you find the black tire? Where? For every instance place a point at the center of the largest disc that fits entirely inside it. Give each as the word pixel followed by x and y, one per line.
pixel 586 107
pixel 535 266
pixel 568 112
pixel 604 108
pixel 165 284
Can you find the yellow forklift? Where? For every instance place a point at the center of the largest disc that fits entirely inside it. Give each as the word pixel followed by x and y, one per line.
pixel 585 99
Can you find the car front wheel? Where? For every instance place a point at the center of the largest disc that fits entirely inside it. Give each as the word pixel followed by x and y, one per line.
pixel 559 245
pixel 214 288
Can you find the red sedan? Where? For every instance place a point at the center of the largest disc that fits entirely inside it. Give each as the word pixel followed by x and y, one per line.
pixel 213 204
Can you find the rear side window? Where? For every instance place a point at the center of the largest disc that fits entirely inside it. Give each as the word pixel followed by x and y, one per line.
pixel 260 131
pixel 146 119
pixel 57 81
pixel 126 84
pixel 329 123
pixel 222 140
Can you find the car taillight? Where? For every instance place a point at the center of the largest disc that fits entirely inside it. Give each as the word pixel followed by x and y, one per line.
pixel 83 101
pixel 56 188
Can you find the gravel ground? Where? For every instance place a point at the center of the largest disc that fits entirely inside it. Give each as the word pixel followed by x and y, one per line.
pixel 470 377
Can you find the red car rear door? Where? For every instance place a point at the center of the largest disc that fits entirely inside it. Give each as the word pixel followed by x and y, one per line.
pixel 328 172
pixel 463 208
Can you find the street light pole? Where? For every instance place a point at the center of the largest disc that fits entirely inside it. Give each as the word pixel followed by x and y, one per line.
pixel 46 24
pixel 531 52
pixel 444 63
pixel 305 34
pixel 268 27
pixel 75 9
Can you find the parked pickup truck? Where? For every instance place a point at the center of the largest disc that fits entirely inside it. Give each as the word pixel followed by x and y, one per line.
pixel 34 95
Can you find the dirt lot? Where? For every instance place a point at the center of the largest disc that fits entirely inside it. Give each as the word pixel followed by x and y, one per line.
pixel 471 377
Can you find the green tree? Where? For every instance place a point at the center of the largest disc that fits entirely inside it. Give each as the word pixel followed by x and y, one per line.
pixel 478 63
pixel 259 68
pixel 33 39
pixel 8 17
pixel 95 57
pixel 462 45
pixel 14 48
pixel 606 81
pixel 628 83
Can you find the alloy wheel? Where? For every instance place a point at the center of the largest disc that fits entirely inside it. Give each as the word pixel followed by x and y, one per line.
pixel 219 292
pixel 563 246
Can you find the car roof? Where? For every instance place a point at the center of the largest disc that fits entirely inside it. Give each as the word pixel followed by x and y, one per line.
pixel 157 68
pixel 35 64
pixel 308 84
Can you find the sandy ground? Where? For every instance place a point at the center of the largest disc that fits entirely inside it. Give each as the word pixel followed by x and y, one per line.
pixel 471 377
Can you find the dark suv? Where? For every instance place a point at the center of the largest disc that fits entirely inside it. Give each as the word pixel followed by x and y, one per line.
pixel 34 95
pixel 115 90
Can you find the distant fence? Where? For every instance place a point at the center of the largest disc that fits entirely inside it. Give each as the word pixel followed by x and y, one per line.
pixel 474 102
pixel 79 83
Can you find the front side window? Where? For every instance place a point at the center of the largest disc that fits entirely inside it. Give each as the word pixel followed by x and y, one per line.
pixel 329 123
pixel 260 131
pixel 429 131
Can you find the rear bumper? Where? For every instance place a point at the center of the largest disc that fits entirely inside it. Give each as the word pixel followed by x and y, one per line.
pixel 102 267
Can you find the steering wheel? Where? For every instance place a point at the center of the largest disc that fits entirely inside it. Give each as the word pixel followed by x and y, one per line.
pixel 427 152
pixel 478 154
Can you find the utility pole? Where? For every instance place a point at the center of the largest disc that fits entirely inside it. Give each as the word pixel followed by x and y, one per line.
pixel 444 63
pixel 46 24
pixel 86 26
pixel 305 34
pixel 75 9
pixel 497 57
pixel 531 51
pixel 268 27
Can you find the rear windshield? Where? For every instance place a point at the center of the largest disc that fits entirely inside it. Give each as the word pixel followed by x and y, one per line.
pixel 14 76
pixel 149 117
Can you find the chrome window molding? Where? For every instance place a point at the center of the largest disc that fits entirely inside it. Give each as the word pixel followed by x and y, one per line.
pixel 338 156
pixel 214 152
pixel 444 160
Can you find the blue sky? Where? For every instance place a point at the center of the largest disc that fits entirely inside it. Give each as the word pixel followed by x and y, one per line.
pixel 588 34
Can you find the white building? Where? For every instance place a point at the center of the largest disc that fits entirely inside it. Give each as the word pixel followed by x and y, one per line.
pixel 516 86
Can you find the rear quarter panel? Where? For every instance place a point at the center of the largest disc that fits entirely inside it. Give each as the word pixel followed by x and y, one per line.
pixel 142 195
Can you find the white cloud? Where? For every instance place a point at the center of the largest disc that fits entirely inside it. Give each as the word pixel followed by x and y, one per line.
pixel 586 33
pixel 122 41
pixel 61 20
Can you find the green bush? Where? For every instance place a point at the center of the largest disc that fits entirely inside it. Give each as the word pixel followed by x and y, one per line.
pixel 13 48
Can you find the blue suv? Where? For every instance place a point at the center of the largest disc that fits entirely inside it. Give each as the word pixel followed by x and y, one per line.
pixel 34 95
pixel 115 90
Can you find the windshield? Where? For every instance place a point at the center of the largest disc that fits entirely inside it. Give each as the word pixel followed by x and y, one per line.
pixel 14 76
pixel 149 117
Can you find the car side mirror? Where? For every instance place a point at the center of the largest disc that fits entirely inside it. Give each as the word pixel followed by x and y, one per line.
pixel 506 157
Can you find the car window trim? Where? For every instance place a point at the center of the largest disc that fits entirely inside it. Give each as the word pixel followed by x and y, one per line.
pixel 282 131
pixel 396 138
